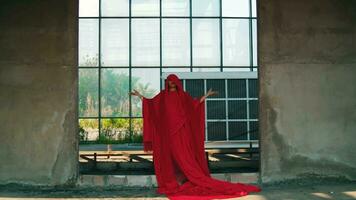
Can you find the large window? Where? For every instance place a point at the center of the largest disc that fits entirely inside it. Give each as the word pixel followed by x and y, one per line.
pixel 128 44
pixel 232 115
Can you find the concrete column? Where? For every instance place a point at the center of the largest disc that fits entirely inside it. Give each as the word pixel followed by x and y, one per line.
pixel 307 57
pixel 38 92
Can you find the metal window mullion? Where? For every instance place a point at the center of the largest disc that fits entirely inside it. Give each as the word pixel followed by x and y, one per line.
pixel 250 37
pixel 232 120
pixel 130 72
pixel 248 110
pixel 221 36
pixel 233 67
pixel 217 99
pixel 99 70
pixel 227 111
pixel 160 42
pixel 110 117
pixel 206 120
pixel 166 17
pixel 191 34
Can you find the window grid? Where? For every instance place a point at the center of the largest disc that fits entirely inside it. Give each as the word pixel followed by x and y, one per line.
pixel 130 66
pixel 246 78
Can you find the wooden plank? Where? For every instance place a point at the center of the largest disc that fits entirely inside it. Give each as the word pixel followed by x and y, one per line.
pixel 128 153
pixel 86 158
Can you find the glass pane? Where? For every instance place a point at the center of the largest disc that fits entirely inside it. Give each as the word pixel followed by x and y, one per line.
pixel 195 87
pixel 115 42
pixel 145 7
pixel 254 8
pixel 175 42
pixel 237 109
pixel 238 131
pixel 253 88
pixel 175 8
pixel 205 7
pixel 216 85
pixel 88 129
pixel 137 130
pixel 206 69
pixel 145 42
pixel 236 88
pixel 216 109
pixel 206 42
pixel 88 92
pixel 115 130
pixel 172 69
pixel 254 41
pixel 254 130
pixel 88 8
pixel 114 92
pixel 235 8
pixel 236 45
pixel 147 82
pixel 114 8
pixel 88 42
pixel 253 106
pixel 236 69
pixel 216 131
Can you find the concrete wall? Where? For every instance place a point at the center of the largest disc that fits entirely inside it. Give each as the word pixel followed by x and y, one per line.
pixel 307 74
pixel 38 92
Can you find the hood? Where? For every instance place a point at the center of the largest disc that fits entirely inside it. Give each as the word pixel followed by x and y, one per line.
pixel 174 78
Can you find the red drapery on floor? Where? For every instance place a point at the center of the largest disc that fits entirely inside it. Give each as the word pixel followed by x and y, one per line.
pixel 173 128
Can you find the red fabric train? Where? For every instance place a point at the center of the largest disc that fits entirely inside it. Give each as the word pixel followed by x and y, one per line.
pixel 173 128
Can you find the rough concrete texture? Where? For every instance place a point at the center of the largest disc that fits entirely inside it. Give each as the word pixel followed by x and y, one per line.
pixel 38 92
pixel 335 191
pixel 150 180
pixel 307 74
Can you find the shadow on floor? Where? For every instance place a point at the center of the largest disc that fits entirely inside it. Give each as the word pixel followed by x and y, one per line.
pixel 323 191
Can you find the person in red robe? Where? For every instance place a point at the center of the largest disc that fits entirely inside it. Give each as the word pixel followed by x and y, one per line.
pixel 174 131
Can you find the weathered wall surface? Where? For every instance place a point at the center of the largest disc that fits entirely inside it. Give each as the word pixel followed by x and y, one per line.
pixel 307 77
pixel 38 89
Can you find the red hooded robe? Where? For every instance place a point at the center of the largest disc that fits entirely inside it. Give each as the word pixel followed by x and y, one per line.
pixel 174 129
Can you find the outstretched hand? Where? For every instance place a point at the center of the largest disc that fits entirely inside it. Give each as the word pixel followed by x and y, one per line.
pixel 211 93
pixel 136 93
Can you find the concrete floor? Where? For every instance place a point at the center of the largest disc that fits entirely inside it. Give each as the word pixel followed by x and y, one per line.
pixel 324 191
